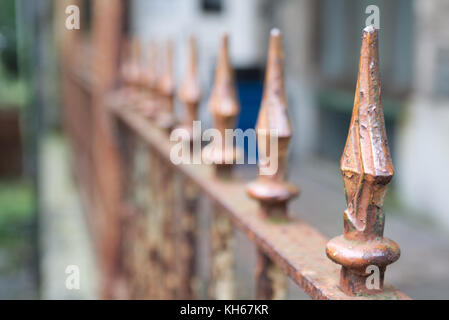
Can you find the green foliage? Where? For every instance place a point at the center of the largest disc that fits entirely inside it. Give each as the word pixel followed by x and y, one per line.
pixel 16 210
pixel 8 41
pixel 8 12
pixel 16 204
pixel 13 90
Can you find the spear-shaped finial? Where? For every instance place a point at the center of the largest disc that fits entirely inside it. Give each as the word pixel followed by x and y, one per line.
pixel 136 56
pixel 136 50
pixel 130 56
pixel 151 72
pixel 150 82
pixel 130 71
pixel 190 91
pixel 223 101
pixel 367 169
pixel 273 133
pixel 125 53
pixel 166 88
pixel 225 108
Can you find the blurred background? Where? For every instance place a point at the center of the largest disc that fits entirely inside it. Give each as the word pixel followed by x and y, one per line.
pixel 42 215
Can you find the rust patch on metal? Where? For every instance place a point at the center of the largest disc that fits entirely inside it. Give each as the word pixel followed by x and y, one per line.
pixel 188 241
pixel 271 281
pixel 222 273
pixel 155 236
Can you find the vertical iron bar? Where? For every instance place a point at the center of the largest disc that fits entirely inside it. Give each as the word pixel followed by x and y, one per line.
pixel 190 94
pixel 222 241
pixel 155 234
pixel 271 189
pixel 271 282
pixel 188 241
pixel 166 120
pixel 225 108
pixel 168 225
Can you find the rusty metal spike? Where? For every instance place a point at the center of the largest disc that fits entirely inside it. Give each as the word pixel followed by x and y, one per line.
pixel 190 91
pixel 125 57
pixel 166 82
pixel 367 169
pixel 130 69
pixel 166 89
pixel 223 101
pixel 136 52
pixel 151 75
pixel 225 108
pixel 271 189
pixel 274 113
pixel 136 62
pixel 124 62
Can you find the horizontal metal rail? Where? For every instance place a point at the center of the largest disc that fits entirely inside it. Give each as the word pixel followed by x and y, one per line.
pixel 296 247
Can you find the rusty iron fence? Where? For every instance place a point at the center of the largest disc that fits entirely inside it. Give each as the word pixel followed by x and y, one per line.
pixel 143 208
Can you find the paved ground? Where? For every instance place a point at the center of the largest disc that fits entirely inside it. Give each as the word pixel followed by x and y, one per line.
pixel 422 272
pixel 64 236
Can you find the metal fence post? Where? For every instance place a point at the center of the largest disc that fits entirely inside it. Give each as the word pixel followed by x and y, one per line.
pixel 271 189
pixel 367 170
pixel 190 95
pixel 225 108
pixel 154 219
pixel 165 119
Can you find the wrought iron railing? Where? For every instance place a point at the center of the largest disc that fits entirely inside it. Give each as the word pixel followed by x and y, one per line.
pixel 144 216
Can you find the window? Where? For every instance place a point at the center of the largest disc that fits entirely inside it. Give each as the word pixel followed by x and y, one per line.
pixel 212 6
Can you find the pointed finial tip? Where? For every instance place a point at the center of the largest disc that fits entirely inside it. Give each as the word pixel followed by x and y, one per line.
pixel 275 32
pixel 275 45
pixel 224 37
pixel 370 29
